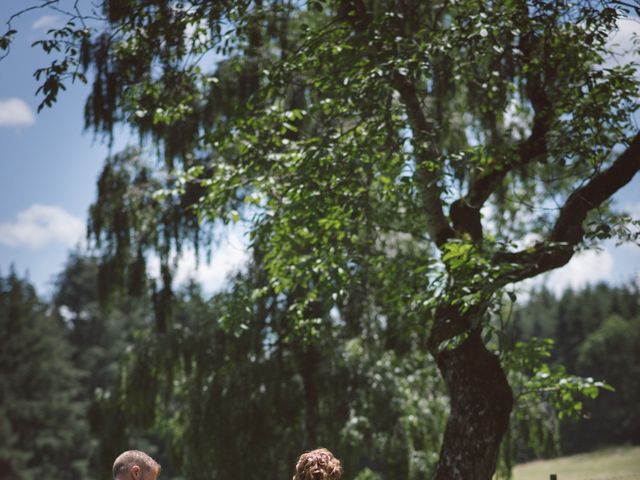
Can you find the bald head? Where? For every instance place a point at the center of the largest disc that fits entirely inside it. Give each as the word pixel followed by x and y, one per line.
pixel 135 465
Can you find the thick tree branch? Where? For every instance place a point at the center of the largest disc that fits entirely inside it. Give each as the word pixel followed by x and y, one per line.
pixel 568 227
pixel 465 212
pixel 355 13
pixel 568 231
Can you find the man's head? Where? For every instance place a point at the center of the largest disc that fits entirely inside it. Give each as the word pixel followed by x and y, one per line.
pixel 135 465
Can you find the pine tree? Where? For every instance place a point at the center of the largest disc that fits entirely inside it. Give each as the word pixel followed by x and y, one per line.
pixel 42 429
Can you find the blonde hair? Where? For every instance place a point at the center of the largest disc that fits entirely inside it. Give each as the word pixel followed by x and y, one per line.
pixel 128 459
pixel 319 464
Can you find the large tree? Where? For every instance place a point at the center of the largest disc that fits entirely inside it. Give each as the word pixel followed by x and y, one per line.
pixel 487 135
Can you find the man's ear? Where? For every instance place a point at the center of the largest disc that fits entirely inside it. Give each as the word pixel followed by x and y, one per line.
pixel 135 472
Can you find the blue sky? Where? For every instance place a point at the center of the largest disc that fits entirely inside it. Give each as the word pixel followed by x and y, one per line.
pixel 48 166
pixel 49 169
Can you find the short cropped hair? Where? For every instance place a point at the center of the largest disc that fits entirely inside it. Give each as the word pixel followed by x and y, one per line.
pixel 128 459
pixel 319 464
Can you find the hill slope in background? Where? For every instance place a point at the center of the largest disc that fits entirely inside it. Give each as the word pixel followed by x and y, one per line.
pixel 620 463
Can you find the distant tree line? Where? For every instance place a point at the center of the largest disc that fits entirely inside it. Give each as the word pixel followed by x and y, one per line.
pixel 43 423
pixel 219 394
pixel 230 389
pixel 597 334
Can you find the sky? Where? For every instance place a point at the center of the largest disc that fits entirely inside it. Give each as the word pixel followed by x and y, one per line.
pixel 49 166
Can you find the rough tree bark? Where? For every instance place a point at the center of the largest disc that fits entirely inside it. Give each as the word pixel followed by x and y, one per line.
pixel 481 403
pixel 481 398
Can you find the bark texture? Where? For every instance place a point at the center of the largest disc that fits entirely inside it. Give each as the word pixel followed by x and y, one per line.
pixel 481 403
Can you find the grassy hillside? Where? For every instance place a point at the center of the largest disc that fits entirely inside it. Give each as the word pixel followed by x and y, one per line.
pixel 621 463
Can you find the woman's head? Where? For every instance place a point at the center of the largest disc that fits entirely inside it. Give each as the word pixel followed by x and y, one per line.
pixel 319 464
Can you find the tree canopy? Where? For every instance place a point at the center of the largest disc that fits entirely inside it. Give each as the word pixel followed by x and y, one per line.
pixel 397 160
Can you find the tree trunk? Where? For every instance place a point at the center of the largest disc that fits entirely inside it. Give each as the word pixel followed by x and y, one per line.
pixel 309 360
pixel 481 403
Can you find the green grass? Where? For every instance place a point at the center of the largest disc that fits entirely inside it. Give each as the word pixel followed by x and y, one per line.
pixel 609 463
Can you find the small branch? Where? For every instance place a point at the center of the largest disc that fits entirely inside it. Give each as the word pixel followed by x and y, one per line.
pixel 7 48
pixel 28 9
pixel 423 132
pixel 635 7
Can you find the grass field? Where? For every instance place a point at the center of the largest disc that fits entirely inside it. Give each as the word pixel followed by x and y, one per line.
pixel 619 463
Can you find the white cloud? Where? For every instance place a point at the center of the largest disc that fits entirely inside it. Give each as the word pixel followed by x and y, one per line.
pixel 228 256
pixel 627 262
pixel 623 44
pixel 40 225
pixel 585 268
pixel 517 120
pixel 197 33
pixel 633 209
pixel 46 22
pixel 15 112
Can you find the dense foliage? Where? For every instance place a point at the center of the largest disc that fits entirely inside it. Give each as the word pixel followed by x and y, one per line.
pixel 397 163
pixel 43 429
pixel 208 391
pixel 99 341
pixel 198 399
pixel 597 333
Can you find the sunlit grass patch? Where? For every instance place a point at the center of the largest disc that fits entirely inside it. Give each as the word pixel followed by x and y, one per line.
pixel 609 463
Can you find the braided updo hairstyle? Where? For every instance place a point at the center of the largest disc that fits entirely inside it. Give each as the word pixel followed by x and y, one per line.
pixel 319 464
